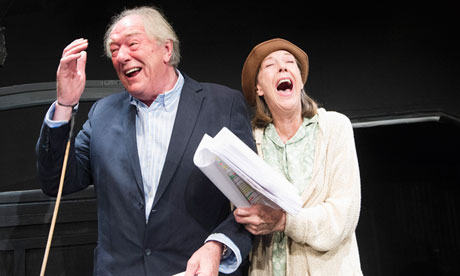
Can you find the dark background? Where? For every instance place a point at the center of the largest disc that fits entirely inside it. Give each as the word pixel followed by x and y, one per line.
pixel 365 58
pixel 370 61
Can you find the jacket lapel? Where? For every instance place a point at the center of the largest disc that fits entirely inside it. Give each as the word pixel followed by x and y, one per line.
pixel 186 116
pixel 131 146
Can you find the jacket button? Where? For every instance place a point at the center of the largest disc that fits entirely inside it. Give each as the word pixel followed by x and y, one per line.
pixel 148 252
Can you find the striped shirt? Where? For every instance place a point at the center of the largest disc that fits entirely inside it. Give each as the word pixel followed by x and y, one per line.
pixel 154 126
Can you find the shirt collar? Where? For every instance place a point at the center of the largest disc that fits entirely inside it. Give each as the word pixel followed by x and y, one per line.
pixel 167 100
pixel 272 134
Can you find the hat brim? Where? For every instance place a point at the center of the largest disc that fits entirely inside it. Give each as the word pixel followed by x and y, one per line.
pixel 257 55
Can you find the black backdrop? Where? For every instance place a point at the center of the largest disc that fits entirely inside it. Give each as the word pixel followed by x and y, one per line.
pixel 365 59
pixel 380 60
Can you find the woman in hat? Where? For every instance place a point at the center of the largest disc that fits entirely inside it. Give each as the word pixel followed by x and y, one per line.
pixel 315 150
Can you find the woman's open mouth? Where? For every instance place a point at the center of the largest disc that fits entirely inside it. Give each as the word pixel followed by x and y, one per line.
pixel 284 85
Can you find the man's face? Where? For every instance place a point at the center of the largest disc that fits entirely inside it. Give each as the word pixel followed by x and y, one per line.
pixel 141 64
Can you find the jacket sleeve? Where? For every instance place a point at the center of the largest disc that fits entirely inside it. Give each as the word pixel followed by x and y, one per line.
pixel 50 151
pixel 334 217
pixel 240 126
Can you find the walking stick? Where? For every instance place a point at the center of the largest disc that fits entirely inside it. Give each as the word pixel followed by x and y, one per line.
pixel 58 197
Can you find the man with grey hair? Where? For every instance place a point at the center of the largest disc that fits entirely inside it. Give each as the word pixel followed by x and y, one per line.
pixel 157 213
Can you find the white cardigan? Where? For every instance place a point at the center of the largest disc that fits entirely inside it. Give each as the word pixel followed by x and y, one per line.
pixel 321 238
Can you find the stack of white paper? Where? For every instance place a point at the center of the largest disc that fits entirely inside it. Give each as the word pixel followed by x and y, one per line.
pixel 242 176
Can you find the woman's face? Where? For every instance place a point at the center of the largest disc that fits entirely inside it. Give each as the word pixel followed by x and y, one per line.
pixel 280 83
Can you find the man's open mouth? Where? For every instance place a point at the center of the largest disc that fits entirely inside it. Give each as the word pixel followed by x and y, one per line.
pixel 284 85
pixel 133 72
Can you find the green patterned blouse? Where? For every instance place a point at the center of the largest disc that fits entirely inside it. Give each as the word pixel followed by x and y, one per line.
pixel 293 159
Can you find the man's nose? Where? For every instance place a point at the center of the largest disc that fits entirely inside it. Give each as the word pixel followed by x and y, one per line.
pixel 123 55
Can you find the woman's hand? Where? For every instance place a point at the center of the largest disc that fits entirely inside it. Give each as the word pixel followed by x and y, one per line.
pixel 261 219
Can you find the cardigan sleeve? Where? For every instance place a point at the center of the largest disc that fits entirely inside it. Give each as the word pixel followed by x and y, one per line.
pixel 333 212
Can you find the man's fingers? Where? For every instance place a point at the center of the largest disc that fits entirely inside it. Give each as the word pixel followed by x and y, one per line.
pixel 70 58
pixel 81 62
pixel 192 268
pixel 205 261
pixel 74 62
pixel 74 57
pixel 75 47
pixel 75 43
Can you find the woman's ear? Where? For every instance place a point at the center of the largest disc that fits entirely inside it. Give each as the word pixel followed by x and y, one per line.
pixel 259 90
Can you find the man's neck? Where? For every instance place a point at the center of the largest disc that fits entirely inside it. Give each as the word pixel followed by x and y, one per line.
pixel 169 81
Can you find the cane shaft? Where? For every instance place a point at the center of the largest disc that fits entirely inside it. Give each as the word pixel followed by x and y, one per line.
pixel 56 209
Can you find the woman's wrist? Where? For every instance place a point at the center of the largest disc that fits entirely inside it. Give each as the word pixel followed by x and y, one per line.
pixel 281 225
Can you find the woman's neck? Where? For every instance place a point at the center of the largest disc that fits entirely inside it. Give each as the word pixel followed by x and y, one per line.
pixel 287 126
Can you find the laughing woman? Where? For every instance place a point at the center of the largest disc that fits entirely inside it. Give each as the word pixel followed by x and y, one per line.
pixel 315 150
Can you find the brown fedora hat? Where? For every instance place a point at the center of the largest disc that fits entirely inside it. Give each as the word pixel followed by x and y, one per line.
pixel 257 55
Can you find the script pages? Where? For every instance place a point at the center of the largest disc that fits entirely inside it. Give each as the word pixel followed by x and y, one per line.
pixel 242 176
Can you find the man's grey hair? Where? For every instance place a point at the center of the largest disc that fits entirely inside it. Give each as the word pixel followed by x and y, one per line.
pixel 156 26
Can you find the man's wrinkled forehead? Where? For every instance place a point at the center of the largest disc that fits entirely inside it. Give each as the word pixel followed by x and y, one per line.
pixel 127 33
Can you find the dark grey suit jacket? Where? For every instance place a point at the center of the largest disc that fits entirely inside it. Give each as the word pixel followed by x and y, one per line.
pixel 187 206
